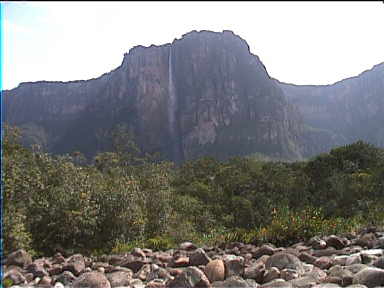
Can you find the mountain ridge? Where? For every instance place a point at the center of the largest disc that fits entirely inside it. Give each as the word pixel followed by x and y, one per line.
pixel 227 104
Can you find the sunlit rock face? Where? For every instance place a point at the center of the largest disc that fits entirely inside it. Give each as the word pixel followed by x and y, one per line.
pixel 342 113
pixel 203 94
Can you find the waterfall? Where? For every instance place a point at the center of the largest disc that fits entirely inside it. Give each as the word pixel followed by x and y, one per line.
pixel 172 107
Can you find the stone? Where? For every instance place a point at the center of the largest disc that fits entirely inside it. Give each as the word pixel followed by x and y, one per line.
pixel 37 270
pixel 323 262
pixel 235 282
pixel 289 274
pixel 55 269
pixel 191 277
pixel 340 260
pixel 181 261
pixel 92 279
pixel 367 240
pixel 307 258
pixel 234 265
pixel 282 260
pixel 353 259
pixel 15 276
pixel 255 271
pixel 317 243
pixel 336 241
pixel 198 257
pixel 59 285
pixel 263 250
pixel 119 278
pixel 355 268
pixel 271 274
pixel 58 259
pixel 143 272
pixel 188 246
pixel 45 281
pixel 134 264
pixel 379 262
pixel 66 278
pixel 19 258
pixel 303 282
pixel 138 252
pixel 215 270
pixel 327 285
pixel 370 277
pixel 317 274
pixel 277 283
pixel 75 264
pixel 157 272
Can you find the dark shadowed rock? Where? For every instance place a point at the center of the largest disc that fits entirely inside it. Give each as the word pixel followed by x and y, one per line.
pixel 336 241
pixel 198 257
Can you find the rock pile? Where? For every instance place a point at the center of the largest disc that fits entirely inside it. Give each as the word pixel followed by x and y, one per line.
pixel 328 262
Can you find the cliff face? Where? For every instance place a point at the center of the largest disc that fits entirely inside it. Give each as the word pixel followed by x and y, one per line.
pixel 204 94
pixel 342 113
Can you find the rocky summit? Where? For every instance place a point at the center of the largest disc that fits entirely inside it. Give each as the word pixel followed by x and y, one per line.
pixel 354 261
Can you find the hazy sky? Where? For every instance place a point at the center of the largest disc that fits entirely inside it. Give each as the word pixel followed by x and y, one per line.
pixel 298 42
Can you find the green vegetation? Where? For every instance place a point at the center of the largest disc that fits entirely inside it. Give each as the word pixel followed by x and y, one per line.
pixel 125 199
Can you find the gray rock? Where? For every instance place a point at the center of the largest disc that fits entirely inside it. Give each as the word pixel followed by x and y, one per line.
pixel 353 259
pixel 282 260
pixel 277 283
pixel 303 282
pixel 66 278
pixel 235 282
pixel 189 278
pixel 379 262
pixel 326 285
pixel 119 278
pixel 370 277
pixel 355 268
pixel 92 279
pixel 255 271
pixel 289 274
pixel 75 264
pixel 271 274
pixel 323 262
pixel 263 250
pixel 317 243
pixel 234 265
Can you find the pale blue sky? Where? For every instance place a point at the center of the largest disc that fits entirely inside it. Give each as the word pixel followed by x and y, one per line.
pixel 298 42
